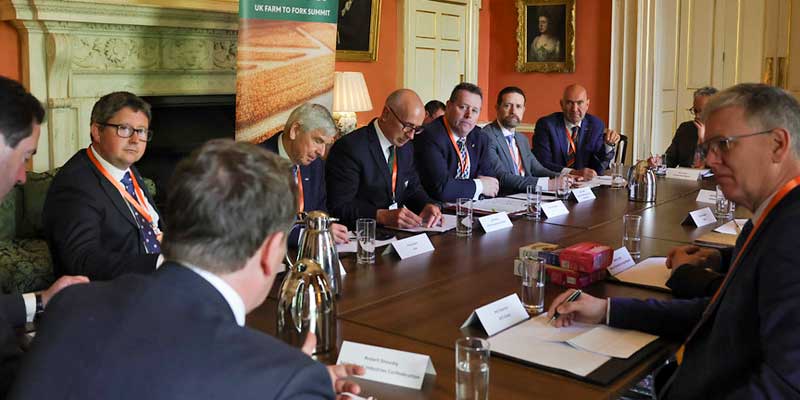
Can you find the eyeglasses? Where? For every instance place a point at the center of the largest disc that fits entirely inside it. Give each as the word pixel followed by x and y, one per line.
pixel 126 131
pixel 694 111
pixel 723 144
pixel 407 126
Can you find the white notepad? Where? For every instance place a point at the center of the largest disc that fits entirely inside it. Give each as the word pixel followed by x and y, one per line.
pixel 650 272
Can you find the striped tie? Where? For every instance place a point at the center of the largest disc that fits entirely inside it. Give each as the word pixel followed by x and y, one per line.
pixel 514 162
pixel 571 149
pixel 150 241
pixel 462 148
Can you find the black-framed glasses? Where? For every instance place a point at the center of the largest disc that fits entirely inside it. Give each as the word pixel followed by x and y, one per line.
pixel 407 126
pixel 722 144
pixel 694 111
pixel 126 131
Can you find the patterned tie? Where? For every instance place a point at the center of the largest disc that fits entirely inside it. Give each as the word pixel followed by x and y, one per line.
pixel 514 165
pixel 571 150
pixel 390 161
pixel 462 148
pixel 150 241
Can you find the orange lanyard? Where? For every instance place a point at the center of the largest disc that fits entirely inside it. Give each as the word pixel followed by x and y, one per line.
pixel 300 199
pixel 138 205
pixel 394 175
pixel 569 139
pixel 464 164
pixel 517 159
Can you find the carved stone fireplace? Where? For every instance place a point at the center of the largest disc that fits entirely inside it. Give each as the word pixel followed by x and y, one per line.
pixel 74 51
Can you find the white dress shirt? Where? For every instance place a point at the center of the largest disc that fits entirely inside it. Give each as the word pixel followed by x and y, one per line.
pixel 514 149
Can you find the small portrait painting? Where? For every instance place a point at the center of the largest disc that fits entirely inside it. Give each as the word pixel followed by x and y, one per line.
pixel 546 35
pixel 357 30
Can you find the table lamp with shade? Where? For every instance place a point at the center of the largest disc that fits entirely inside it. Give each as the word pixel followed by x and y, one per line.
pixel 350 95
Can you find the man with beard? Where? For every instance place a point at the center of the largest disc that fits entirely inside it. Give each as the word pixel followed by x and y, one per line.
pixel 509 148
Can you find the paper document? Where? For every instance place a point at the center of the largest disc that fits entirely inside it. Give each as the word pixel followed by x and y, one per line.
pixel 448 223
pixel 732 227
pixel 351 246
pixel 650 272
pixel 620 343
pixel 524 196
pixel 500 204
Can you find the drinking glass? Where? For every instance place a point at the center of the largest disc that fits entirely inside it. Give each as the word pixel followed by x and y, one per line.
pixel 723 209
pixel 632 234
pixel 562 186
pixel 617 178
pixel 532 288
pixel 365 235
pixel 472 369
pixel 534 204
pixel 464 217
pixel 661 167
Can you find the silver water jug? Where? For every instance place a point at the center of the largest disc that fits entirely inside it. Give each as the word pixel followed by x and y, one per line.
pixel 641 183
pixel 306 304
pixel 316 243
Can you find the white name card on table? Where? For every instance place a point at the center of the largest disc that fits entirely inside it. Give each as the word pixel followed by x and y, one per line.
pixel 701 217
pixel 394 367
pixel 495 222
pixel 733 227
pixel 554 209
pixel 688 174
pixel 622 261
pixel 498 315
pixel 412 246
pixel 583 194
pixel 707 196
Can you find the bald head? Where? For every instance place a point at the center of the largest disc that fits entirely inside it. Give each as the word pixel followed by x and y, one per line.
pixel 402 116
pixel 575 103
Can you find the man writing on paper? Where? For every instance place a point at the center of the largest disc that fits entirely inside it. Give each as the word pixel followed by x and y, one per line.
pixel 742 342
pixel 306 134
pixel 453 157
pixel 510 149
pixel 572 140
pixel 371 174
pixel 179 333
pixel 21 115
pixel 98 217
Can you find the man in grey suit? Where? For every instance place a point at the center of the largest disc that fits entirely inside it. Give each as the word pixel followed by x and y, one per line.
pixel 510 149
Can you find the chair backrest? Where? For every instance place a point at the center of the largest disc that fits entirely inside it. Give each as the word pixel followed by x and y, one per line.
pixel 622 148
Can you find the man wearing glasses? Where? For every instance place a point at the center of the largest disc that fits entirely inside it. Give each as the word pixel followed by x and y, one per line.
pixel 370 172
pixel 98 217
pixel 682 152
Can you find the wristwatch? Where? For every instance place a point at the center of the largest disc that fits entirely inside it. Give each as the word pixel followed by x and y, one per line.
pixel 39 303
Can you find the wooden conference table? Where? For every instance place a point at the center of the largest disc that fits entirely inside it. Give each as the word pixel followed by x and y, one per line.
pixel 418 304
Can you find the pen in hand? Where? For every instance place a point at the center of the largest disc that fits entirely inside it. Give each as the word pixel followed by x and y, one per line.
pixel 572 297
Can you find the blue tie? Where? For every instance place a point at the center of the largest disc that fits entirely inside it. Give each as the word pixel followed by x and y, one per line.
pixel 510 140
pixel 150 241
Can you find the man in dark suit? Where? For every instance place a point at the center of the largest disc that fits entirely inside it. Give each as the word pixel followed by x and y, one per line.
pixel 21 115
pixel 572 140
pixel 510 149
pixel 453 158
pixel 99 219
pixel 371 173
pixel 306 134
pixel 179 333
pixel 742 342
pixel 683 149
pixel 433 109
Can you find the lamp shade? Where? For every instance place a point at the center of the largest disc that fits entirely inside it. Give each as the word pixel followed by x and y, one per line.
pixel 350 93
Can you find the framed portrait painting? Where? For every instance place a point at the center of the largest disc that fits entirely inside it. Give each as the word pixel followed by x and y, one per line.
pixel 357 30
pixel 546 36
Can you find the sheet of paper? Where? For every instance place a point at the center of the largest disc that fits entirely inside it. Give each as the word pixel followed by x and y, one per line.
pixel 539 328
pixel 524 196
pixel 650 272
pixel 350 247
pixel 732 227
pixel 706 196
pixel 448 223
pixel 500 204
pixel 619 343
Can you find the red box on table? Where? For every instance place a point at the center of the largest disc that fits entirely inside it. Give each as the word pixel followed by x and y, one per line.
pixel 586 257
pixel 573 279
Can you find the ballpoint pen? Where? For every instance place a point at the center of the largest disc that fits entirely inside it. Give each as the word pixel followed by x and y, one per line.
pixel 572 297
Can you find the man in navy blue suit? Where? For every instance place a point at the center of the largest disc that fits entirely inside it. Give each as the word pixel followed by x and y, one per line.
pixel 179 333
pixel 371 174
pixel 305 136
pixel 741 343
pixel 572 140
pixel 453 156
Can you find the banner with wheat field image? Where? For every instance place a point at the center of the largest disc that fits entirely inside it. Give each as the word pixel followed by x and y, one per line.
pixel 286 55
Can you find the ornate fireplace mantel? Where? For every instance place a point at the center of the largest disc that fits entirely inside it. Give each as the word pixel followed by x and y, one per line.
pixel 74 51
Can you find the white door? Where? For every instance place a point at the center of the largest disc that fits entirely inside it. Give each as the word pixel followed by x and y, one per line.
pixel 438 50
pixel 780 41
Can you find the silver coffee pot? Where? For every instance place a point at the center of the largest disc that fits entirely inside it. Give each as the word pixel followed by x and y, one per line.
pixel 316 243
pixel 306 304
pixel 641 183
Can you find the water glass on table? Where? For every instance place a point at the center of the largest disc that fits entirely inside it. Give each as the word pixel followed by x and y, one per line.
pixel 534 197
pixel 464 217
pixel 533 281
pixel 563 184
pixel 365 236
pixel 724 208
pixel 617 175
pixel 632 234
pixel 472 369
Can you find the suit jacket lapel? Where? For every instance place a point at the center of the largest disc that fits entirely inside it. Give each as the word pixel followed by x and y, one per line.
pixel 113 194
pixel 562 137
pixel 497 132
pixel 377 155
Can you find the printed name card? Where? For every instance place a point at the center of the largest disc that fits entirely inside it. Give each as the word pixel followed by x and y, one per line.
pixel 701 217
pixel 622 261
pixel 394 367
pixel 707 196
pixel 498 315
pixel 495 222
pixel 543 183
pixel 583 194
pixel 413 246
pixel 688 174
pixel 554 209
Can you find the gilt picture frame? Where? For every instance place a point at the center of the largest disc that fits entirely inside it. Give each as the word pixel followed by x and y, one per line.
pixel 357 40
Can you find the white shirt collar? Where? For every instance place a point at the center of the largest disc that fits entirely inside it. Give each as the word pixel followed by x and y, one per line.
pixel 228 293
pixel 282 150
pixel 570 124
pixel 506 132
pixel 384 142
pixel 117 173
